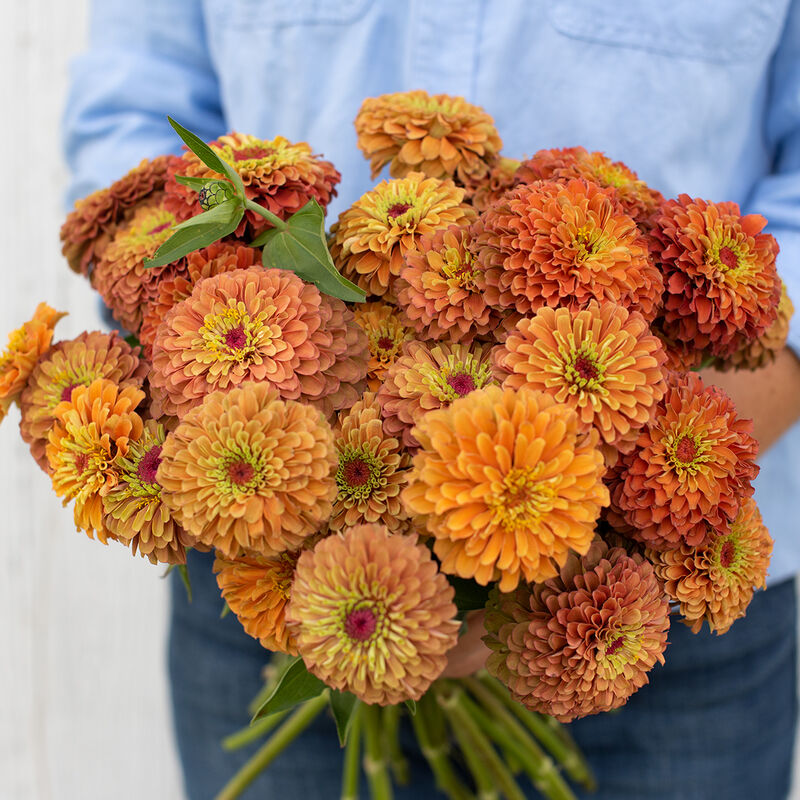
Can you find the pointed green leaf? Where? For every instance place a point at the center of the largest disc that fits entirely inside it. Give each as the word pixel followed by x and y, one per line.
pixel 343 704
pixel 184 573
pixel 226 609
pixel 196 184
pixel 302 248
pixel 412 707
pixel 296 686
pixel 197 232
pixel 207 155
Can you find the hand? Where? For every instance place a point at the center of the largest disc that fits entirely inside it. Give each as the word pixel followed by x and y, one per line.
pixel 469 655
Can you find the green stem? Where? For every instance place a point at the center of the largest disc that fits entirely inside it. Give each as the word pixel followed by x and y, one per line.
pixel 352 756
pixel 391 733
pixel 252 732
pixel 274 746
pixel 380 785
pixel 548 731
pixel 276 221
pixel 435 746
pixel 513 737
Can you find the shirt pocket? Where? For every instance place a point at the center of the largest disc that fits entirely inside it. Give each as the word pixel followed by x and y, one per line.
pixel 261 14
pixel 723 31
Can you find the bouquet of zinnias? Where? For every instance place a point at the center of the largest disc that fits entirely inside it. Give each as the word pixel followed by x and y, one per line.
pixel 479 394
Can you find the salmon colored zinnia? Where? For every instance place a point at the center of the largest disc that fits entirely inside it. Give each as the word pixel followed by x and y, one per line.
pixel 508 484
pixel 372 614
pixel 385 334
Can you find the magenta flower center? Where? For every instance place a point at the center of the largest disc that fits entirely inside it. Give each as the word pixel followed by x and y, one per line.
pixel 356 472
pixel 385 343
pixel 461 383
pixel 249 153
pixel 360 624
pixel 585 368
pixel 236 338
pixel 726 554
pixel 81 462
pixel 728 258
pixel 148 465
pixel 66 393
pixel 615 645
pixel 397 209
pixel 240 472
pixel 159 228
pixel 686 451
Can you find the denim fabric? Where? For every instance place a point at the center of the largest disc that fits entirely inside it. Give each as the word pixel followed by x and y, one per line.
pixel 717 721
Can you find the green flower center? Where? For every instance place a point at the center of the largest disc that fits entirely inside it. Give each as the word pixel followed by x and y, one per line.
pixel 233 335
pixel 687 452
pixel 456 378
pixel 618 648
pixel 584 369
pixel 589 242
pixel 523 498
pixel 242 472
pixel 359 474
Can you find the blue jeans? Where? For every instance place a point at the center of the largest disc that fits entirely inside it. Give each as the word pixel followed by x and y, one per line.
pixel 717 721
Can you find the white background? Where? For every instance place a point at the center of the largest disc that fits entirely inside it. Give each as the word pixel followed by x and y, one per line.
pixel 84 711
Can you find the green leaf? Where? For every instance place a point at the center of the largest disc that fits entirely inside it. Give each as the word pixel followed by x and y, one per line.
pixel 207 155
pixel 343 704
pixel 133 340
pixel 295 686
pixel 302 248
pixel 195 184
pixel 412 707
pixel 197 232
pixel 226 609
pixel 470 596
pixel 184 573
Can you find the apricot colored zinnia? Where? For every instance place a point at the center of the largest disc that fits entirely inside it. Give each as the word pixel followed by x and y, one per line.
pixel 370 239
pixel 386 335
pixel 257 590
pixel 25 346
pixel 602 361
pixel 120 275
pixel 428 376
pixel 438 135
pixel 89 226
pixel 722 288
pixel 372 469
pixel 278 174
pixel 582 642
pixel 508 484
pixel 67 364
pixel 372 614
pixel 714 583
pixel 635 197
pixel 248 470
pixel 553 244
pixel 246 325
pixel 502 176
pixel 91 435
pixel 441 287
pixel 135 512
pixel 692 466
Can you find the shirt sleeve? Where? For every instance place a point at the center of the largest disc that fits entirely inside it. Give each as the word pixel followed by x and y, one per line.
pixel 145 59
pixel 777 196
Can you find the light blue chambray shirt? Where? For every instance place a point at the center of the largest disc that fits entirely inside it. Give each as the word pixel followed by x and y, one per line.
pixel 698 96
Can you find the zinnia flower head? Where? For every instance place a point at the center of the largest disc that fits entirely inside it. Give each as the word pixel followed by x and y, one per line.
pixel 508 484
pixel 257 590
pixel 248 470
pixel 89 226
pixel 602 361
pixel 441 288
pixel 67 364
pixel 25 346
pixel 372 614
pixel 584 641
pixel 637 199
pixel 553 244
pixel 178 285
pixel 714 583
pixel 135 512
pixel 722 288
pixel 371 238
pixel 386 335
pixel 92 433
pixel 428 376
pixel 762 351
pixel 278 174
pixel 246 325
pixel 120 275
pixel 372 469
pixel 438 135
pixel 484 191
pixel 692 465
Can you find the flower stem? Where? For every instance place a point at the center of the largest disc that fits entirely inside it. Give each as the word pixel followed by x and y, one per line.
pixel 276 221
pixel 549 732
pixel 391 732
pixel 352 757
pixel 431 731
pixel 252 732
pixel 380 785
pixel 274 746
